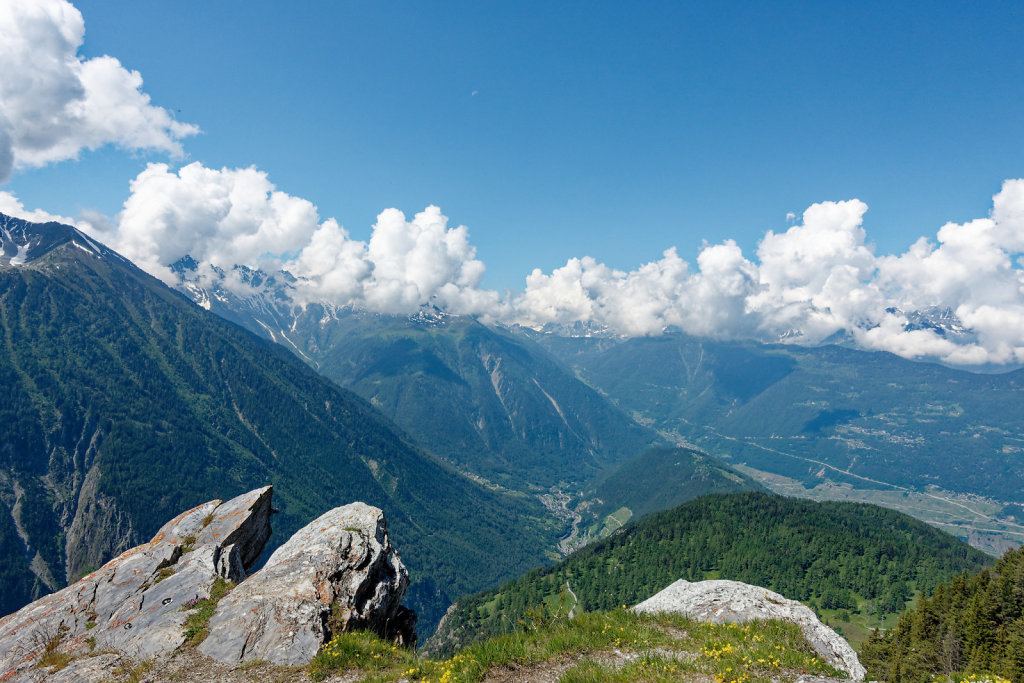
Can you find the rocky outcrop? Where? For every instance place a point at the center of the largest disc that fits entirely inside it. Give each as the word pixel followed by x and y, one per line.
pixel 736 602
pixel 340 572
pixel 133 603
pixel 336 574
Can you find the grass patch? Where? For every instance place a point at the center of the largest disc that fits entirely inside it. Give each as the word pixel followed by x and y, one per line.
pixel 134 674
pixel 188 544
pixel 201 610
pixel 658 648
pixel 83 573
pixel 649 667
pixel 52 655
pixel 359 650
pixel 336 621
pixel 164 573
pixel 58 660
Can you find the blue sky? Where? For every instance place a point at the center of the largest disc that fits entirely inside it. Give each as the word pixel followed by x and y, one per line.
pixel 607 129
pixel 562 130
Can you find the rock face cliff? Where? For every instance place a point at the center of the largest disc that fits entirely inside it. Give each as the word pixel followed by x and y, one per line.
pixel 336 574
pixel 735 602
pixel 339 572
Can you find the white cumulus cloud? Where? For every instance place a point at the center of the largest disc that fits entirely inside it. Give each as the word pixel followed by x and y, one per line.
pixel 12 206
pixel 222 217
pixel 959 298
pixel 812 275
pixel 227 217
pixel 54 103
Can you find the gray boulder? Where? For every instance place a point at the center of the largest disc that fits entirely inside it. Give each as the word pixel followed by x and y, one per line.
pixel 336 574
pixel 735 602
pixel 132 605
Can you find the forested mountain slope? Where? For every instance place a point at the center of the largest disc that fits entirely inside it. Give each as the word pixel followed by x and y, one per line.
pixel 660 478
pixel 124 403
pixel 839 557
pixel 490 403
pixel 970 625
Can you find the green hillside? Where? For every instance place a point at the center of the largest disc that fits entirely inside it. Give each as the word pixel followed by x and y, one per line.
pixel 970 625
pixel 126 404
pixel 853 562
pixel 491 404
pixel 658 479
pixel 615 646
pixel 663 477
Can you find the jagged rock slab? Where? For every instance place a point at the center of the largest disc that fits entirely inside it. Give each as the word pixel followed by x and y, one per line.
pixel 338 573
pixel 735 602
pixel 133 603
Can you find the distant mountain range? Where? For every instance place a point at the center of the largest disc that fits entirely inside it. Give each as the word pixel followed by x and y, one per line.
pixel 492 404
pixel 124 404
pixel 127 402
pixel 870 420
pixel 813 415
pixel 941 320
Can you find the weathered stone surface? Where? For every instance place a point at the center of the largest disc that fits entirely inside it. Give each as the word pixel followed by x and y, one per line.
pixel 736 602
pixel 338 573
pixel 132 604
pixel 86 670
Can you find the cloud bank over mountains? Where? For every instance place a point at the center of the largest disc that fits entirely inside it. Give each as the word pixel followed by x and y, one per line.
pixel 231 217
pixel 957 297
pixel 819 280
pixel 54 103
